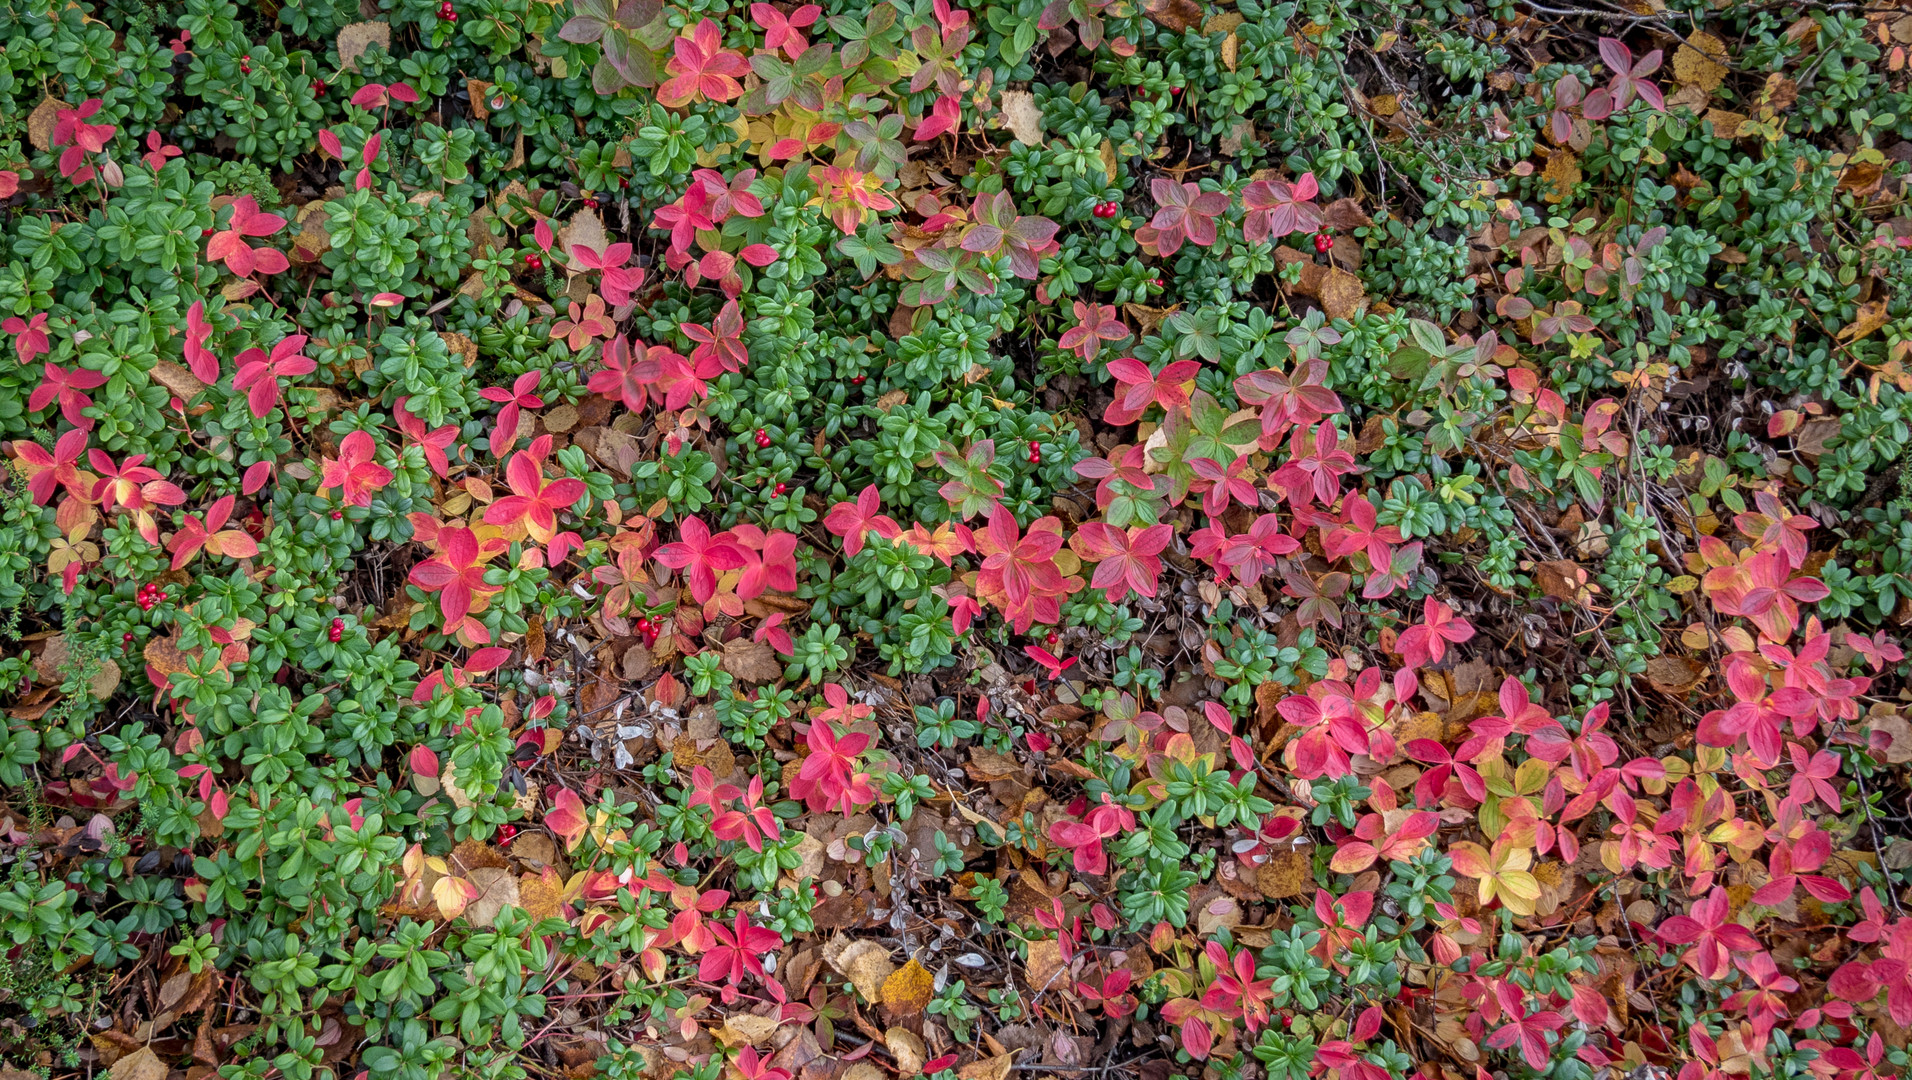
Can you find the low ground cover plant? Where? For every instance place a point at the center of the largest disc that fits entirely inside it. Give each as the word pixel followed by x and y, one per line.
pixel 1339 538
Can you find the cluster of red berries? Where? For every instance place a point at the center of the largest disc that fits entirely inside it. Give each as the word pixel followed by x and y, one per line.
pixel 447 12
pixel 1035 452
pixel 1156 282
pixel 777 492
pixel 150 596
pixel 648 629
pixel 857 380
pixel 1323 243
pixel 506 833
pixel 337 633
pixel 533 262
pixel 1106 209
pixel 245 65
pixel 318 87
pixel 763 439
pixel 590 203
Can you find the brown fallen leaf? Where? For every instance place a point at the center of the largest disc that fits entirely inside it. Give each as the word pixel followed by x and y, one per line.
pixel 141 1064
pixel 1674 676
pixel 1176 15
pixel 1871 316
pixel 1288 872
pixel 994 1068
pixel 41 123
pixel 1700 62
pixel 908 1048
pixel 1562 173
pixel 751 661
pixel 355 38
pixel 865 963
pixel 1021 116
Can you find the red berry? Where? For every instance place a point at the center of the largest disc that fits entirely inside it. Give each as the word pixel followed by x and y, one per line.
pixel 1051 638
pixel 778 490
pixel 1323 242
pixel 506 833
pixel 533 262
pixel 590 204
pixel 128 637
pixel 338 515
pixel 318 86
pixel 1157 282
pixel 857 380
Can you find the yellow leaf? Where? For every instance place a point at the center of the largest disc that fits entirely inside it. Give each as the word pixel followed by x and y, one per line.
pixel 452 894
pixel 907 991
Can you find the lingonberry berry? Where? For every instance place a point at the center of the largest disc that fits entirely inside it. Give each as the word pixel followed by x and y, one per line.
pixel 506 833
pixel 245 65
pixel 533 262
pixel 857 380
pixel 337 632
pixel 318 87
pixel 1051 638
pixel 338 515
pixel 777 492
pixel 1323 243
pixel 127 637
pixel 590 203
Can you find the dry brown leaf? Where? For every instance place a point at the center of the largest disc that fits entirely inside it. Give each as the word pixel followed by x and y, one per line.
pixel 1889 721
pixel 1673 675
pixel 1021 117
pixel 1341 294
pixel 541 894
pixel 748 1028
pixel 866 964
pixel 1726 123
pixel 479 92
pixel 1871 316
pixel 1177 15
pixel 141 1064
pixel 181 382
pixel 41 122
pixel 461 345
pixel 561 419
pixel 355 38
pixel 908 1049
pixel 1562 173
pixel 1700 62
pixel 995 1068
pixel 497 890
pixel 586 228
pixel 314 238
pixel 1345 215
pixel 1564 580
pixel 1779 93
pixel 751 661
pixel 907 991
pixel 1044 965
pixel 1288 872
